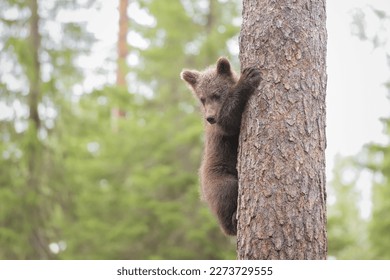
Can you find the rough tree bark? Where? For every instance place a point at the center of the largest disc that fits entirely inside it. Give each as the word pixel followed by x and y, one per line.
pixel 281 163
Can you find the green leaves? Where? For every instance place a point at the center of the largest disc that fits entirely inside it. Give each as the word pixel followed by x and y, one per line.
pixel 115 173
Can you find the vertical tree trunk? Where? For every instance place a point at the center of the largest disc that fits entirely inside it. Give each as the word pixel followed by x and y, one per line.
pixel 122 52
pixel 210 17
pixel 34 210
pixel 34 78
pixel 122 44
pixel 281 163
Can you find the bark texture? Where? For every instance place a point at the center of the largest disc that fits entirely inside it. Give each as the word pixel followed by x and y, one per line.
pixel 281 162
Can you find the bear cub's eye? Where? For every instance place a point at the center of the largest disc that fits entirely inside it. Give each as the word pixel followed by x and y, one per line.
pixel 216 97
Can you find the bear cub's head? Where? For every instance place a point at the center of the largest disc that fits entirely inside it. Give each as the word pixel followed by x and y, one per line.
pixel 211 87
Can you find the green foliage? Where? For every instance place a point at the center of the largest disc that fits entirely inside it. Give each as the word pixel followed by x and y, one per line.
pixel 350 237
pixel 347 231
pixel 134 183
pixel 30 165
pixel 116 176
pixel 378 161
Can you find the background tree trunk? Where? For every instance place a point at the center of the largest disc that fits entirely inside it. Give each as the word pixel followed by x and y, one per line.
pixel 34 75
pixel 121 71
pixel 35 212
pixel 121 64
pixel 281 164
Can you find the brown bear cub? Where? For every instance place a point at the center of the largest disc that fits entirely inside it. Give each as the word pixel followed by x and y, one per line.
pixel 223 97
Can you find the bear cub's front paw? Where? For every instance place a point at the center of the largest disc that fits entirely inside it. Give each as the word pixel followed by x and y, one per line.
pixel 251 77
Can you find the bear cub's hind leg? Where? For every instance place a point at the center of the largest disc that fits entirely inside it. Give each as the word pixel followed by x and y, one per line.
pixel 222 199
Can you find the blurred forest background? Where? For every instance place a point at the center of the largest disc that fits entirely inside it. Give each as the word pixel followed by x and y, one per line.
pixel 98 168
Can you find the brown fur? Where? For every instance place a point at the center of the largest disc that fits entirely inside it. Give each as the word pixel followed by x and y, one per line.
pixel 223 97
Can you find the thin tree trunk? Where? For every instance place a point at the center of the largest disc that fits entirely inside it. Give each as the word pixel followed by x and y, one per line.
pixel 281 163
pixel 210 17
pixel 35 214
pixel 122 52
pixel 122 44
pixel 34 78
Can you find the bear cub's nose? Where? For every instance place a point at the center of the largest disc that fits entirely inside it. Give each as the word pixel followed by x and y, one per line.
pixel 211 120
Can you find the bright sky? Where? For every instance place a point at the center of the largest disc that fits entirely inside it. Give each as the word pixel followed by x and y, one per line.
pixel 356 97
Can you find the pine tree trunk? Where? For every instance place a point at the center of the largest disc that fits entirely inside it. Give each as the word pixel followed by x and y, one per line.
pixel 281 163
pixel 34 77
pixel 122 52
pixel 35 214
pixel 122 44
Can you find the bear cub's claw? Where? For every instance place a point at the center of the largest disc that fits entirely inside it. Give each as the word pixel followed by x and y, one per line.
pixel 251 76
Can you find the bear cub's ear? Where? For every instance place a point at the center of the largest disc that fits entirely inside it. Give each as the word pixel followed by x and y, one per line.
pixel 223 66
pixel 191 77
